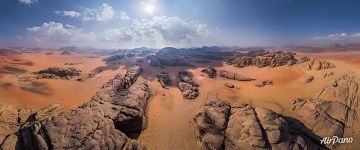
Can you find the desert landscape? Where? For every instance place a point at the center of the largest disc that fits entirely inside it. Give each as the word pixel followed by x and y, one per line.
pixel 169 98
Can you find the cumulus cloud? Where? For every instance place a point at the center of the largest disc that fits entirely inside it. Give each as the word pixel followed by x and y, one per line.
pixel 335 36
pixel 161 31
pixel 72 14
pixel 106 13
pixel 57 34
pixel 27 2
pixel 124 16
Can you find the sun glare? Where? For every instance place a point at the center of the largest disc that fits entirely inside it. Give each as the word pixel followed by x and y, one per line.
pixel 149 8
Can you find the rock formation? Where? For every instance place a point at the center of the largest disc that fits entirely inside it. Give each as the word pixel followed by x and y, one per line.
pixel 263 58
pixel 229 85
pixel 11 119
pixel 113 58
pixel 242 126
pixel 59 73
pixel 210 71
pixel 164 79
pixel 333 110
pixel 234 76
pixel 315 64
pixel 188 86
pixel 114 113
pixel 309 79
pixel 264 83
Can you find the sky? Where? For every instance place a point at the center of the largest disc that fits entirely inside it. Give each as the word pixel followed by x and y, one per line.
pixel 178 23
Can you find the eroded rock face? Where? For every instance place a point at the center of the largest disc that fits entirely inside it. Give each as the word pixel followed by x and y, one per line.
pixel 59 73
pixel 263 59
pixel 211 123
pixel 234 76
pixel 164 79
pixel 245 127
pixel 229 85
pixel 11 119
pixel 333 110
pixel 188 86
pixel 210 71
pixel 315 64
pixel 115 112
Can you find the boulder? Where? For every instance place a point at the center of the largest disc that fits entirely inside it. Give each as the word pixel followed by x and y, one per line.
pixel 210 71
pixel 234 76
pixel 265 83
pixel 309 79
pixel 189 91
pixel 229 85
pixel 164 79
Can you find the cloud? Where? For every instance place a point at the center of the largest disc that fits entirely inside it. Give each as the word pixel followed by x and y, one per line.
pixel 72 14
pixel 106 13
pixel 335 36
pixel 161 31
pixel 27 2
pixel 124 16
pixel 57 34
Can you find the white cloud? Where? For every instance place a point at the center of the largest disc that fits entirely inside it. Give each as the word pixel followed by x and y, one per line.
pixel 72 14
pixel 19 37
pixel 57 34
pixel 356 35
pixel 124 16
pixel 106 13
pixel 27 2
pixel 335 36
pixel 161 31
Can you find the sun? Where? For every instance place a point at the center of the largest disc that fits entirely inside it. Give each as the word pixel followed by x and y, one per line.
pixel 149 8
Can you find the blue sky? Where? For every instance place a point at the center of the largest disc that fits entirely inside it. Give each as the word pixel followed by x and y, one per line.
pixel 181 23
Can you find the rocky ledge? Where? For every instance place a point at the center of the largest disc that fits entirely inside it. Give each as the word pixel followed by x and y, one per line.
pixel 234 76
pixel 164 79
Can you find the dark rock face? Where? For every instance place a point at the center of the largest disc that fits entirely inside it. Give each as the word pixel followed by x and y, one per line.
pixel 115 112
pixel 188 86
pixel 234 76
pixel 210 71
pixel 65 53
pixel 265 83
pixel 186 77
pixel 170 56
pixel 241 126
pixel 303 59
pixel 164 79
pixel 58 73
pixel 318 65
pixel 263 59
pixel 113 58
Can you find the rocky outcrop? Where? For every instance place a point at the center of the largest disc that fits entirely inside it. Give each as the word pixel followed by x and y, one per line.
pixel 164 79
pixel 333 110
pixel 59 73
pixel 264 83
pixel 234 76
pixel 170 56
pixel 11 119
pixel 211 123
pixel 114 58
pixel 114 113
pixel 315 64
pixel 210 71
pixel 229 85
pixel 263 59
pixel 303 59
pixel 309 79
pixel 188 86
pixel 242 126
